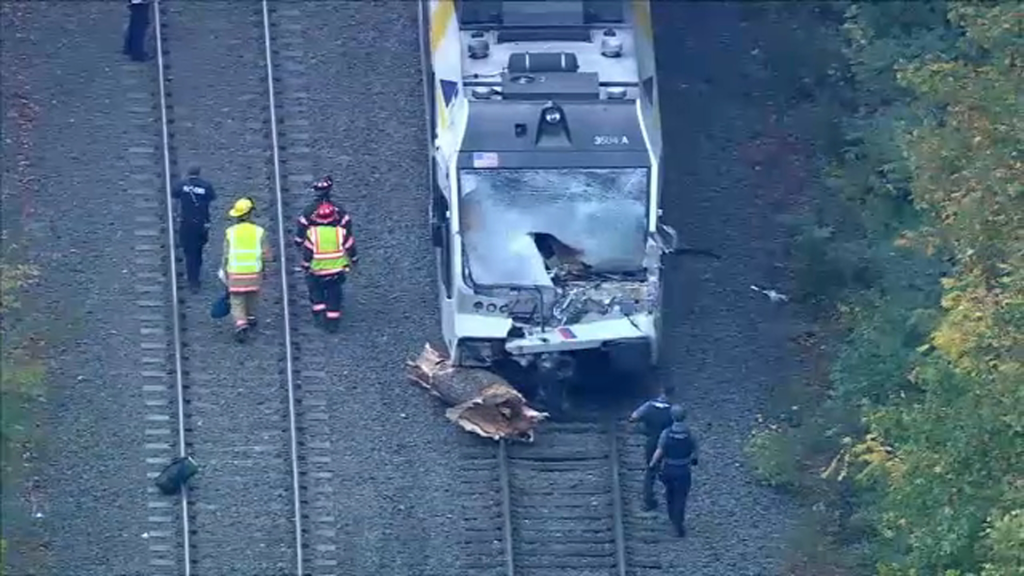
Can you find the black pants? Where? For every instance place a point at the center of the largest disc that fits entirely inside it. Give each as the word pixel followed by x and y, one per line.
pixel 193 238
pixel 325 296
pixel 677 487
pixel 649 473
pixel 135 36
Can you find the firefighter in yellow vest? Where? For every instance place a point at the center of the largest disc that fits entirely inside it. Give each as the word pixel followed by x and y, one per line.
pixel 246 249
pixel 328 253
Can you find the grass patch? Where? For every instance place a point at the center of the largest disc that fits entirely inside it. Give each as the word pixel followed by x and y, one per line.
pixel 22 376
pixel 21 372
pixel 21 382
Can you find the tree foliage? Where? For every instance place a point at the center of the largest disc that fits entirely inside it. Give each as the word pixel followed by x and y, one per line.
pixel 933 358
pixel 955 419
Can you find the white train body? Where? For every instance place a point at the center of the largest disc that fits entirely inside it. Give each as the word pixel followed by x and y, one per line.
pixel 546 180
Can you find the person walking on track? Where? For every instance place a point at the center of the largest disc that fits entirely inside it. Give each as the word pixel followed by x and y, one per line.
pixel 676 453
pixel 194 196
pixel 322 195
pixel 327 257
pixel 246 250
pixel 138 25
pixel 654 416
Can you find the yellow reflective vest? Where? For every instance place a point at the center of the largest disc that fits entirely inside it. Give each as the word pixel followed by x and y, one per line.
pixel 328 246
pixel 244 245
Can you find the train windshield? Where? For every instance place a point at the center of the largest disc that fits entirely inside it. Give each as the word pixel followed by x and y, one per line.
pixel 518 224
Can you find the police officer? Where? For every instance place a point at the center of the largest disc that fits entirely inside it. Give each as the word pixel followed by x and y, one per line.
pixel 655 417
pixel 676 452
pixel 138 25
pixel 194 196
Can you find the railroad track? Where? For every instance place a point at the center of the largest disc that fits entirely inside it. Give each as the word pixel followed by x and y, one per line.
pixel 254 416
pixel 558 506
pixel 567 505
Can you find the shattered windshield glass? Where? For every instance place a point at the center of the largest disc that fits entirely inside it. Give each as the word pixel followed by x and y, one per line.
pixel 516 222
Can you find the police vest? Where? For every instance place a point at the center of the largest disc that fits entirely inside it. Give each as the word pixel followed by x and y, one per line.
pixel 245 247
pixel 679 448
pixel 328 245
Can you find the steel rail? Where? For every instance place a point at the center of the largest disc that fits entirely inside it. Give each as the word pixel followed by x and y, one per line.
pixel 506 507
pixel 293 427
pixel 620 532
pixel 179 383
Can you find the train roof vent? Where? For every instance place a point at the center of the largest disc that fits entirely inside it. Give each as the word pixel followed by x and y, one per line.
pixel 567 34
pixel 551 85
pixel 530 13
pixel 525 62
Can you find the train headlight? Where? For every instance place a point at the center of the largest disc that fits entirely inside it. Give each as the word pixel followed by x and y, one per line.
pixel 552 115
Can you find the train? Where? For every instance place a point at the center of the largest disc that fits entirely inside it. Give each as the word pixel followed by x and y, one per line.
pixel 545 182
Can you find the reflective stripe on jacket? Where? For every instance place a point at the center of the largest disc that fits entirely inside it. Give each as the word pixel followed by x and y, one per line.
pixel 244 257
pixel 328 244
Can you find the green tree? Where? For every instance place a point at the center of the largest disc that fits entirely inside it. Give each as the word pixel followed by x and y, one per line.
pixel 931 256
pixel 960 437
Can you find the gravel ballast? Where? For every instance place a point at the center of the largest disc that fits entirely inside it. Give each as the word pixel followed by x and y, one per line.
pixel 726 345
pixel 350 82
pixel 241 503
pixel 79 219
pixel 358 62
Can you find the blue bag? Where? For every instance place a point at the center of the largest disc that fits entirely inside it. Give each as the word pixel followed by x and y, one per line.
pixel 221 307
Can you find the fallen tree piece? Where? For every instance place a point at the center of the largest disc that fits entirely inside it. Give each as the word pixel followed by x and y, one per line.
pixel 480 402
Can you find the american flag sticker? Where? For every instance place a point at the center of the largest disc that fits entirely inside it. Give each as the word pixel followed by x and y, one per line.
pixel 485 159
pixel 566 333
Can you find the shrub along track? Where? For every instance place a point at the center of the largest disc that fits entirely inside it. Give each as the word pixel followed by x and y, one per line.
pixel 249 414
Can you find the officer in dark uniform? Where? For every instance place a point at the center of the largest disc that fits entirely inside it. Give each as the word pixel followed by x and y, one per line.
pixel 138 25
pixel 194 196
pixel 676 453
pixel 654 417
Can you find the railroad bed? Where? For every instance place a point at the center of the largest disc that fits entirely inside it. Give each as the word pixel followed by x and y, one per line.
pixel 567 505
pixel 253 415
pixel 256 415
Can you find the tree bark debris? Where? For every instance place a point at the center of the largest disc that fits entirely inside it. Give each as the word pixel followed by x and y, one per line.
pixel 480 402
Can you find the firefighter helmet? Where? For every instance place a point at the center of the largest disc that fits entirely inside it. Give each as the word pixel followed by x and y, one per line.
pixel 242 207
pixel 323 186
pixel 325 213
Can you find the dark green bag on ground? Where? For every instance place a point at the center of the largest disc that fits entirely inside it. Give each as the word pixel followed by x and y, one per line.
pixel 176 474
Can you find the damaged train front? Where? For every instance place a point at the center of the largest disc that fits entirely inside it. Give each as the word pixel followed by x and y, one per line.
pixel 547 190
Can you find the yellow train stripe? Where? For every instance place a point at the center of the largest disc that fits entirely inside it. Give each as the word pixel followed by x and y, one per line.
pixel 642 17
pixel 440 18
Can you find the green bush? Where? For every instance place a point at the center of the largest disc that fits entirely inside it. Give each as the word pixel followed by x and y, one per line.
pixel 917 263
pixel 772 456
